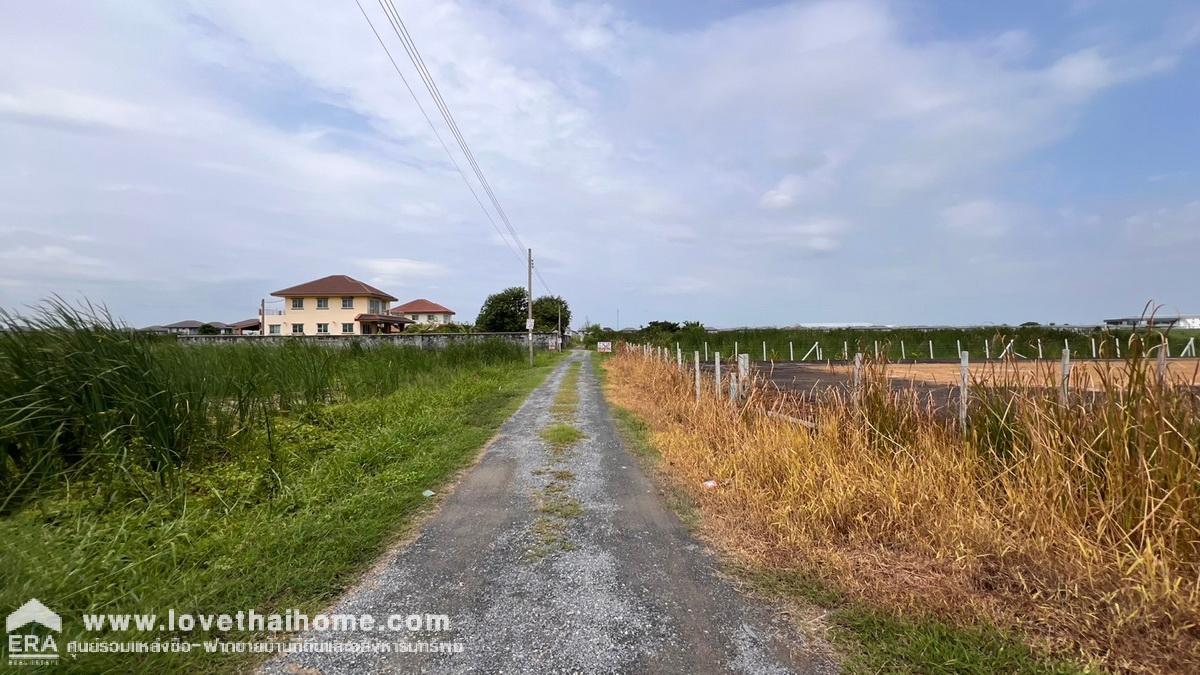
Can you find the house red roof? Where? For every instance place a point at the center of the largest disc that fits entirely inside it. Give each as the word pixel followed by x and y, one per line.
pixel 337 284
pixel 383 318
pixel 421 306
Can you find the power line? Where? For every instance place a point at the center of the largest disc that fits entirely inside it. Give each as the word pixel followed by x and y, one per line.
pixel 414 55
pixel 438 135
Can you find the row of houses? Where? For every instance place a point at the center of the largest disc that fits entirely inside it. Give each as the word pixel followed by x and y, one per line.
pixel 332 305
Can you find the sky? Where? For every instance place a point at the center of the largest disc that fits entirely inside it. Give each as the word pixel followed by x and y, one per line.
pixel 735 163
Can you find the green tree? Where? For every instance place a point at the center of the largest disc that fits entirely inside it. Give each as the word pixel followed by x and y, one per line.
pixel 545 313
pixel 504 312
pixel 209 329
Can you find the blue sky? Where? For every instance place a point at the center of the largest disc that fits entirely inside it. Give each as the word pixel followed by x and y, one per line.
pixel 735 163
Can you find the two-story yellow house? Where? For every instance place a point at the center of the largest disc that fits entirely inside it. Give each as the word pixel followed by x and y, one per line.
pixel 333 305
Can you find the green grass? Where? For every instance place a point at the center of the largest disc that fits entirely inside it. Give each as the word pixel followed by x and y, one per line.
pixel 561 436
pixel 287 521
pixel 872 640
pixel 82 395
pixel 889 644
pixel 566 401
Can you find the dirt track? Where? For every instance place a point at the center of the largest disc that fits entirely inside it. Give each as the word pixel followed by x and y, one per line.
pixel 612 584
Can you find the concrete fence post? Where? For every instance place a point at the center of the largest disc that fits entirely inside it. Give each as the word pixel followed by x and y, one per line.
pixel 1117 344
pixel 764 350
pixel 858 379
pixel 1162 365
pixel 678 357
pixel 706 350
pixel 1039 349
pixel 791 352
pixel 1093 348
pixel 845 351
pixel 987 349
pixel 1066 345
pixel 1066 376
pixel 877 350
pixel 744 370
pixel 903 351
pixel 964 393
pixel 931 350
pixel 717 372
pixel 958 346
pixel 697 355
pixel 735 349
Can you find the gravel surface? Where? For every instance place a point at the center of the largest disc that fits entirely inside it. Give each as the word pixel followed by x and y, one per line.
pixel 560 561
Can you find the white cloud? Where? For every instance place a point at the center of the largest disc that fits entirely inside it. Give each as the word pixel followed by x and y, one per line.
pixel 795 188
pixel 979 218
pixel 228 142
pixel 1083 72
pixel 1171 225
pixel 683 285
pixel 401 271
pixel 815 235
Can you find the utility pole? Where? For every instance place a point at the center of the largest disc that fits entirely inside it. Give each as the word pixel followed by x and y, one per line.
pixel 262 317
pixel 529 309
pixel 560 334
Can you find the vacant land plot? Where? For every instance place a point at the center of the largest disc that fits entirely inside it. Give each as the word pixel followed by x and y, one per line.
pixel 1089 374
pixel 1070 521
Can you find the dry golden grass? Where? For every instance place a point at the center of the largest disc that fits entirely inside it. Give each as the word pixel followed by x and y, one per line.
pixel 1077 525
pixel 1085 374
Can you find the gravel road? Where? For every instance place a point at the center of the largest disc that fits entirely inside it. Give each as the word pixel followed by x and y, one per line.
pixel 560 561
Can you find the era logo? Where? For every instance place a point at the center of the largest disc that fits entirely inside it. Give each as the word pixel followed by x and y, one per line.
pixel 34 644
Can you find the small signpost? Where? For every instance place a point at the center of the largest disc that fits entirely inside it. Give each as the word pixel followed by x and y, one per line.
pixel 604 347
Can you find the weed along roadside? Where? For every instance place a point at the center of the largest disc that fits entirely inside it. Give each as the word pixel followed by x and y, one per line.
pixel 1058 534
pixel 304 467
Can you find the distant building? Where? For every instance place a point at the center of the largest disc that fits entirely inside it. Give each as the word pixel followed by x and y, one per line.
pixel 246 327
pixel 1191 321
pixel 188 327
pixel 334 305
pixel 424 311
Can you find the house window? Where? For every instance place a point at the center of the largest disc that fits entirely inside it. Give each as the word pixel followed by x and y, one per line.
pixel 297 303
pixel 347 303
pixel 297 329
pixel 347 328
pixel 275 329
pixel 414 317
pixel 430 317
pixel 322 329
pixel 375 306
pixel 322 303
